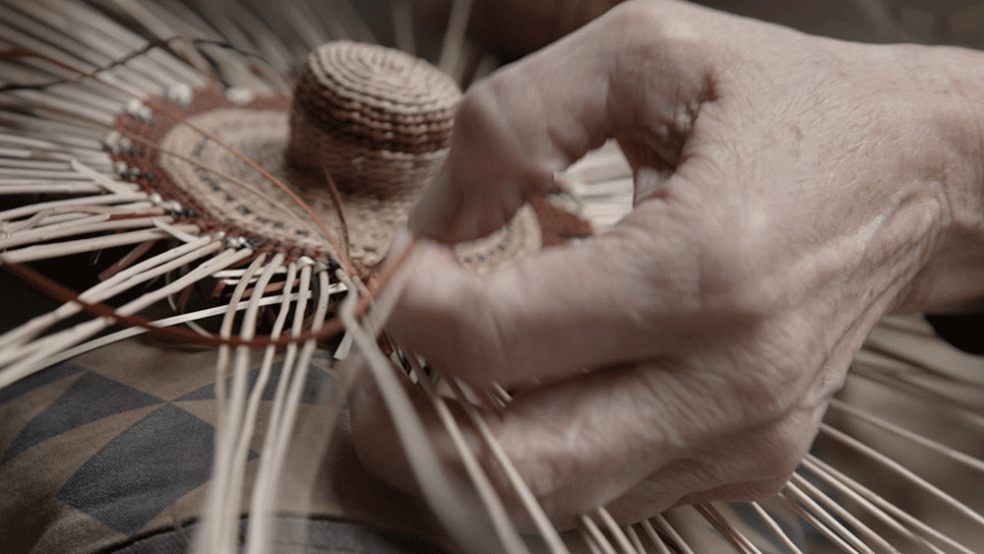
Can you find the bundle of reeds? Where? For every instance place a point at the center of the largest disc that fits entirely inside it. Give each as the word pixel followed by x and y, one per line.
pixel 143 188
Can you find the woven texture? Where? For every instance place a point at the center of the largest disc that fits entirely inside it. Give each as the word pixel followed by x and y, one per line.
pixel 377 120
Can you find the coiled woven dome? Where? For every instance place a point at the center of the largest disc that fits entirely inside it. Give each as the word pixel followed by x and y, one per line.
pixel 378 121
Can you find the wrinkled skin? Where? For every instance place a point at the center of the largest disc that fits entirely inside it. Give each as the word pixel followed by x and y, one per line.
pixel 790 190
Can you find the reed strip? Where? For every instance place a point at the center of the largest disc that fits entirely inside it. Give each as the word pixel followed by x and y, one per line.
pixel 664 526
pixel 64 106
pixel 911 478
pixel 29 186
pixel 918 392
pixel 123 334
pixel 634 538
pixel 221 526
pixel 139 273
pixel 403 31
pixel 504 527
pixel 461 519
pixel 882 510
pixel 654 538
pixel 50 345
pixel 731 534
pixel 65 248
pixel 908 324
pixel 487 64
pixel 621 539
pixel 454 35
pixel 98 33
pixel 268 475
pixel 70 204
pixel 522 490
pixel 820 501
pixel 817 524
pixel 912 359
pixel 793 492
pixel 589 541
pixel 88 225
pixel 774 527
pixel 941 449
pixel 594 533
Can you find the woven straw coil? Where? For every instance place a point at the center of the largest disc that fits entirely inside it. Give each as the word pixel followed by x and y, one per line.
pixel 376 120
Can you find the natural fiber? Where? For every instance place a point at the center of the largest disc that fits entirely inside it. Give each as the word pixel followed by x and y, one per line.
pixel 113 153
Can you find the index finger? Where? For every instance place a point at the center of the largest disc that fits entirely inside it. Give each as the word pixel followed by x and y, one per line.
pixel 631 73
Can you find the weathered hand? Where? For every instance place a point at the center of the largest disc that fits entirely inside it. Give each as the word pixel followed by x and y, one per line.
pixel 790 190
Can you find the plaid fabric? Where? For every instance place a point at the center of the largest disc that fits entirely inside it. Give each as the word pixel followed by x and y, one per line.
pixel 117 444
pixel 323 536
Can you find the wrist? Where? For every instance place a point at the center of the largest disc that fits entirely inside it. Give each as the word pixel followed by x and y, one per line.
pixel 953 104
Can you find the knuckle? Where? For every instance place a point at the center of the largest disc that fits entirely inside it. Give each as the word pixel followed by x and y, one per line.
pixel 736 271
pixel 638 18
pixel 782 458
pixel 727 276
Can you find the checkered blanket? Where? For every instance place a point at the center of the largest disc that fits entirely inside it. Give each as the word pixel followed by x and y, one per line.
pixel 115 448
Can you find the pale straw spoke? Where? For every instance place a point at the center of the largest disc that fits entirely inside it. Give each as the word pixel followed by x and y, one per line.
pixel 818 524
pixel 461 518
pixel 819 502
pixel 454 36
pixel 123 334
pixel 633 536
pixel 224 493
pixel 664 526
pixel 64 106
pixel 774 527
pixel 654 538
pixel 50 345
pixel 403 26
pixel 908 324
pixel 104 36
pixel 910 478
pixel 941 449
pixel 885 512
pixel 918 392
pixel 593 532
pixel 621 539
pixel 124 280
pixel 33 186
pixel 65 248
pixel 89 225
pixel 728 531
pixel 346 13
pixel 71 204
pixel 522 490
pixel 794 494
pixel 271 459
pixel 505 530
pixel 589 541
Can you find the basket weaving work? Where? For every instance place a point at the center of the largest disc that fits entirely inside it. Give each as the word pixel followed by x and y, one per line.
pixel 143 142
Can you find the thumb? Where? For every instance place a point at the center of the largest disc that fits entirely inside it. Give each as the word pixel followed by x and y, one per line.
pixel 635 74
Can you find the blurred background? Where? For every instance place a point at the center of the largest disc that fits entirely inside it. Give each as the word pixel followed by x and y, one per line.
pixel 515 27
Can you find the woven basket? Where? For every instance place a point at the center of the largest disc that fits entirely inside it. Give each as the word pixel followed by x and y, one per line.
pixel 162 173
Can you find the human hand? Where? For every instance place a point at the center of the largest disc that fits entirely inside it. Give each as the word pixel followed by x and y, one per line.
pixel 789 191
